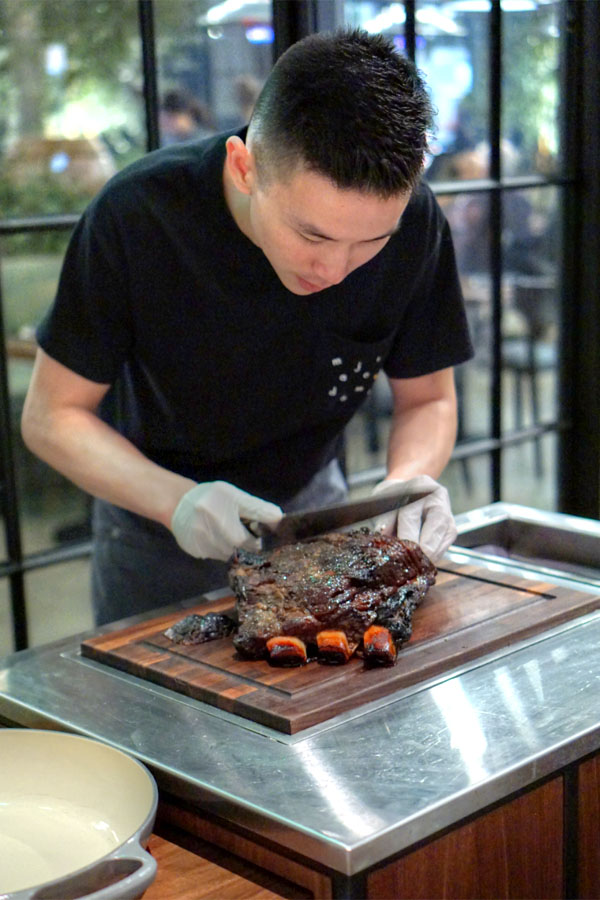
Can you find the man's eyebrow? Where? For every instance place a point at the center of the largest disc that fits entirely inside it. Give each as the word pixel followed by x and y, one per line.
pixel 306 228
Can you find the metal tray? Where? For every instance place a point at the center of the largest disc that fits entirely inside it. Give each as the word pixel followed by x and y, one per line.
pixel 545 542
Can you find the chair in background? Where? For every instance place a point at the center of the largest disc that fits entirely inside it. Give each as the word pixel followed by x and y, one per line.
pixel 526 355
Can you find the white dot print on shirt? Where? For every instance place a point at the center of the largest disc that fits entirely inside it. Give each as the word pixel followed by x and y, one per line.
pixel 356 379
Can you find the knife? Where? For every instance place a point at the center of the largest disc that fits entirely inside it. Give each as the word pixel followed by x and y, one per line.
pixel 311 522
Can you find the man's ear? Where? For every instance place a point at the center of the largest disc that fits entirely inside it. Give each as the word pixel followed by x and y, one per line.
pixel 240 164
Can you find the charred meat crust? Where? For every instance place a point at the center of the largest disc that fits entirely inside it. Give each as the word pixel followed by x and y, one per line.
pixel 339 581
pixel 195 629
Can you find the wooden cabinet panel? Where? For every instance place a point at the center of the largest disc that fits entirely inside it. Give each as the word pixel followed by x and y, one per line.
pixel 183 875
pixel 515 851
pixel 177 822
pixel 589 829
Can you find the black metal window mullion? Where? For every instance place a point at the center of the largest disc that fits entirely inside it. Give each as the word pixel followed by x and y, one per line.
pixel 410 29
pixel 150 81
pixel 579 447
pixel 292 20
pixel 570 137
pixel 495 246
pixel 9 498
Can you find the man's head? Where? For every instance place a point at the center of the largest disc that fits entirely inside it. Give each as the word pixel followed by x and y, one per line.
pixel 335 146
pixel 347 106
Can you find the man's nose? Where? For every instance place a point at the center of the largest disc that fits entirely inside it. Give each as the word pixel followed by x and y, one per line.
pixel 333 264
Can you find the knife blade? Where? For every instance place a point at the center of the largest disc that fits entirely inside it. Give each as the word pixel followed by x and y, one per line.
pixel 312 522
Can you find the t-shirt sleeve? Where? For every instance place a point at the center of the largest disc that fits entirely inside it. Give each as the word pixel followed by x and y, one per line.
pixel 88 327
pixel 434 332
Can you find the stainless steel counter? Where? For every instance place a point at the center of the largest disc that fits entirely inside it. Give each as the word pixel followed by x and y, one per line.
pixel 363 786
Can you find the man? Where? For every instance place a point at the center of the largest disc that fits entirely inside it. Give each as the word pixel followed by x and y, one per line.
pixel 223 309
pixel 183 118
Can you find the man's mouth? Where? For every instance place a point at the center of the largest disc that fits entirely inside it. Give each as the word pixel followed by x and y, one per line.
pixel 309 286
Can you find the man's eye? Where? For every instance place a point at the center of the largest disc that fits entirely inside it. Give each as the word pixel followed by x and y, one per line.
pixel 311 239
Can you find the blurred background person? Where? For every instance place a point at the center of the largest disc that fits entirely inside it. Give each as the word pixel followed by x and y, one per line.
pixel 247 88
pixel 183 118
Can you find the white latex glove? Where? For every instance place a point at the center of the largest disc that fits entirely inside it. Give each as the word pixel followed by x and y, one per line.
pixel 429 522
pixel 206 521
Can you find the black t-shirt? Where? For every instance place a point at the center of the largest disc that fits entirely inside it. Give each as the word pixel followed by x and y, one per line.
pixel 216 369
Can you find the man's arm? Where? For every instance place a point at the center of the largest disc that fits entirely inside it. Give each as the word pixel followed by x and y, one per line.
pixel 60 424
pixel 424 424
pixel 422 436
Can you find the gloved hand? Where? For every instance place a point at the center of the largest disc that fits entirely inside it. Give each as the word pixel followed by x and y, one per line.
pixel 429 522
pixel 206 521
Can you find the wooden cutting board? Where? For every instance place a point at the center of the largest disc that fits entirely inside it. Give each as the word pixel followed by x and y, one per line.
pixel 469 612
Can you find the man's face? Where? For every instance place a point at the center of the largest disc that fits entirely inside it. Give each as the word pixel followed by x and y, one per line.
pixel 314 233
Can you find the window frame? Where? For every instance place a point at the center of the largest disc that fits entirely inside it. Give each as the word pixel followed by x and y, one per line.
pixel 578 465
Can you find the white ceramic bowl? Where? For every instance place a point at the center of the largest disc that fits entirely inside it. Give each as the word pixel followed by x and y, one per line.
pixel 75 817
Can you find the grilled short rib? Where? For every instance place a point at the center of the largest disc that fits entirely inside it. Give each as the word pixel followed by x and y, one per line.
pixel 343 582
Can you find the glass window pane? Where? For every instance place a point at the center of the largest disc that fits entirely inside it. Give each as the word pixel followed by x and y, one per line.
pixel 531 313
pixel 213 60
pixel 58 601
pixel 30 267
pixel 53 510
pixel 377 17
pixel 530 102
pixel 529 473
pixel 452 51
pixel 468 483
pixel 6 622
pixel 71 111
pixel 58 604
pixel 468 216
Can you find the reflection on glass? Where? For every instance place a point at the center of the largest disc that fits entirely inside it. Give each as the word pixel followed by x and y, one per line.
pixel 213 60
pixel 72 112
pixel 530 105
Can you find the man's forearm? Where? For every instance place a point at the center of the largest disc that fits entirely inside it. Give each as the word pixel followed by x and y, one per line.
pixel 102 462
pixel 421 440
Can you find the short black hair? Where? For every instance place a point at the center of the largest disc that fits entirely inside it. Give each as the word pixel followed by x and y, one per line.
pixel 348 106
